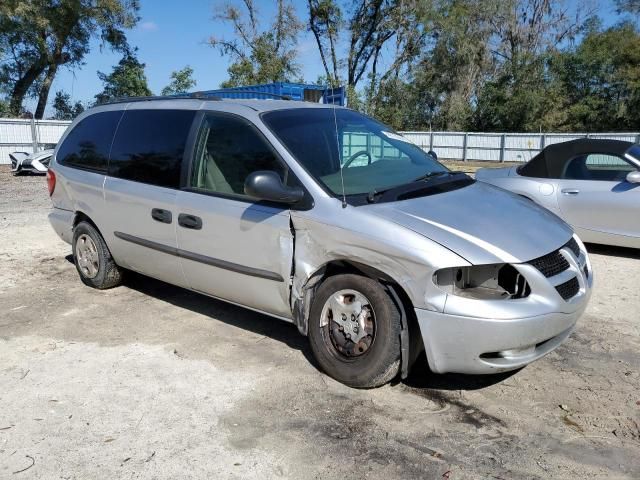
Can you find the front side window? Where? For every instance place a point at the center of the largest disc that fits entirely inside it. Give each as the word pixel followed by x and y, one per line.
pixel 228 149
pixel 339 146
pixel 598 166
pixel 149 146
pixel 87 145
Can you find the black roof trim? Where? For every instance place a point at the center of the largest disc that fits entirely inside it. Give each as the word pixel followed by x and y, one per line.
pixel 202 95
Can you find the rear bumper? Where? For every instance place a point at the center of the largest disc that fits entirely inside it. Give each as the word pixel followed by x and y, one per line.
pixel 482 345
pixel 62 223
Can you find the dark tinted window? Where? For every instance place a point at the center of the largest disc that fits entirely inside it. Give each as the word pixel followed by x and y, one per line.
pixel 598 166
pixel 149 145
pixel 229 149
pixel 87 145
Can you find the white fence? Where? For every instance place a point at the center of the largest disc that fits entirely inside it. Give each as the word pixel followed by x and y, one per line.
pixel 30 135
pixel 25 135
pixel 499 147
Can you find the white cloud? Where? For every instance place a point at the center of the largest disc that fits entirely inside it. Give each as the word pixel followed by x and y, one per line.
pixel 148 26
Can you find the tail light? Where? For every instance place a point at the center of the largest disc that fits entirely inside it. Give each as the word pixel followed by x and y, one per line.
pixel 51 181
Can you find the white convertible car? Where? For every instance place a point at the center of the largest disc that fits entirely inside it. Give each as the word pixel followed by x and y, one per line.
pixel 594 185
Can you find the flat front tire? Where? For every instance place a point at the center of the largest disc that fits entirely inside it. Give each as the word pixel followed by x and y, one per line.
pixel 354 331
pixel 92 258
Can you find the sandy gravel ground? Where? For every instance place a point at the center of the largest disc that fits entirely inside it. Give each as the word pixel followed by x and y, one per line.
pixel 152 381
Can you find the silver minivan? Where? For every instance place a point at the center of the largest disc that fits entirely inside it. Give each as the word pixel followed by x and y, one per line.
pixel 323 217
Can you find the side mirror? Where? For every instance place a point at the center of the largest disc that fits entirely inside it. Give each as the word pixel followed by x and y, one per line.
pixel 433 154
pixel 267 185
pixel 633 177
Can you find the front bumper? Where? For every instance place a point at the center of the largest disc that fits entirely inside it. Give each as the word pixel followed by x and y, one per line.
pixel 489 336
pixel 480 346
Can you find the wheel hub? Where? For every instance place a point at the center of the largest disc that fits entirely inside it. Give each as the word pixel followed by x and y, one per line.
pixel 87 256
pixel 350 319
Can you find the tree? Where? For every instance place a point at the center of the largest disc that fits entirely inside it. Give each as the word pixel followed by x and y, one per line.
pixel 373 28
pixel 630 6
pixel 518 95
pixel 181 82
pixel 600 81
pixel 64 109
pixel 126 80
pixel 325 22
pixel 259 56
pixel 42 36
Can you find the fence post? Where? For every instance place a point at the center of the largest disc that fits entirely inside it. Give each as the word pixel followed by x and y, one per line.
pixel 430 140
pixel 464 147
pixel 543 141
pixel 502 144
pixel 34 136
pixel 638 138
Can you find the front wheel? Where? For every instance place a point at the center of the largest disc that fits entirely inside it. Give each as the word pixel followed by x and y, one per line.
pixel 354 331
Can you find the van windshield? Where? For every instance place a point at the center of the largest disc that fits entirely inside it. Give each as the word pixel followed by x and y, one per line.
pixel 371 156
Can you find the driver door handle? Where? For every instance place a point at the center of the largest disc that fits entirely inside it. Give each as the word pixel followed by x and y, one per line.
pixel 570 191
pixel 190 221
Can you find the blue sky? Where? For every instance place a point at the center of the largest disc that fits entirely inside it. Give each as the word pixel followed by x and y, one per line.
pixel 171 35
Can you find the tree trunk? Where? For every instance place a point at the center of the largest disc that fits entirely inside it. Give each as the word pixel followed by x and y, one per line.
pixel 22 86
pixel 44 90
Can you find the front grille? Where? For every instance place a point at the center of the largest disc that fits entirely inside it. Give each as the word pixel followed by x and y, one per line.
pixel 568 289
pixel 573 246
pixel 550 264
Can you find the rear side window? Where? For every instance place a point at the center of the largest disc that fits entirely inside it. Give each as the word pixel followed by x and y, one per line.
pixel 87 145
pixel 149 146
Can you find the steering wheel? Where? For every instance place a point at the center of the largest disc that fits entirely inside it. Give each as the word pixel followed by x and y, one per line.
pixel 356 155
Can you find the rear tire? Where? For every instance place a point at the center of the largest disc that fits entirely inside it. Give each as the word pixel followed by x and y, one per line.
pixel 354 331
pixel 92 258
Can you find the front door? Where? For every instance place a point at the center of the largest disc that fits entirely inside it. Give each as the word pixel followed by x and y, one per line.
pixel 594 195
pixel 231 246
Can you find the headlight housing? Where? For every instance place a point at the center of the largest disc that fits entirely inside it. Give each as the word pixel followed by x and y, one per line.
pixel 483 282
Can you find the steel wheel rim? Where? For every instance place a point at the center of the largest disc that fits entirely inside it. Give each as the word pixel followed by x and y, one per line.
pixel 350 323
pixel 87 256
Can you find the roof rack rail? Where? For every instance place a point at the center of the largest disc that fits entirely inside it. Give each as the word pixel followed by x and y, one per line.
pixel 179 96
pixel 201 95
pixel 245 92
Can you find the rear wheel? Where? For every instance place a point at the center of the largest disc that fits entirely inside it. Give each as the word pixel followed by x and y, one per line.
pixel 92 258
pixel 354 331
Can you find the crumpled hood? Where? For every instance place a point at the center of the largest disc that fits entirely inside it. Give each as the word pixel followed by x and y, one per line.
pixel 481 223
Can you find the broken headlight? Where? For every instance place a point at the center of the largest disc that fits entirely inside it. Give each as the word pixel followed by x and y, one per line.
pixel 483 282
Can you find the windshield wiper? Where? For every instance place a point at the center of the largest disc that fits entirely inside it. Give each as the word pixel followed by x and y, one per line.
pixel 429 175
pixel 373 195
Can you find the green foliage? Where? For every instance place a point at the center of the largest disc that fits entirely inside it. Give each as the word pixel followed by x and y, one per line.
pixel 181 82
pixel 64 109
pixel 4 108
pixel 600 80
pixel 126 80
pixel 259 56
pixel 39 36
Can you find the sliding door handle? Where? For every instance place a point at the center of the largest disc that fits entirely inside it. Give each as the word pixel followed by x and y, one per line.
pixel 161 215
pixel 570 191
pixel 190 221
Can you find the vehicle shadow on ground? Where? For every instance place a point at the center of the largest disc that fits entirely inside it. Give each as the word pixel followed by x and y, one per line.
pixel 420 377
pixel 623 252
pixel 230 314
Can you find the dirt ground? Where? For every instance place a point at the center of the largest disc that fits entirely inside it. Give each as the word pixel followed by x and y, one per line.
pixel 152 381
